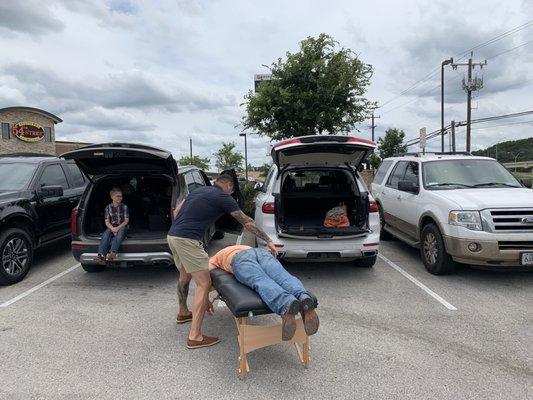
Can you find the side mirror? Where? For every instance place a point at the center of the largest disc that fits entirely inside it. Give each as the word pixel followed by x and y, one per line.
pixel 526 182
pixel 407 186
pixel 51 191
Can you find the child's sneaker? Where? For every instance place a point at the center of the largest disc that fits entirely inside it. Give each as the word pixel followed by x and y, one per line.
pixel 100 259
pixel 112 256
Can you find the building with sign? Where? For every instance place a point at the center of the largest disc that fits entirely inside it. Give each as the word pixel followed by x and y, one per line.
pixel 27 130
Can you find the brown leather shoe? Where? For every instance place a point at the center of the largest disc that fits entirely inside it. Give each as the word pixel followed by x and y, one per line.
pixel 181 319
pixel 205 342
pixel 310 319
pixel 288 320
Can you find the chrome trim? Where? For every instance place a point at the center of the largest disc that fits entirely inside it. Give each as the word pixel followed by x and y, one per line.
pixel 141 258
pixel 491 222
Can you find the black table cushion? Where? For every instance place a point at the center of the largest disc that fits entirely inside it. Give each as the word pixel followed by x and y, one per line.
pixel 240 299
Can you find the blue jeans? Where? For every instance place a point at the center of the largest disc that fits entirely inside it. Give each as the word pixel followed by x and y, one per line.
pixel 259 270
pixel 110 240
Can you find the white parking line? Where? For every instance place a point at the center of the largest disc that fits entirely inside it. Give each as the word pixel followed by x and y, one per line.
pixel 39 286
pixel 239 239
pixel 419 284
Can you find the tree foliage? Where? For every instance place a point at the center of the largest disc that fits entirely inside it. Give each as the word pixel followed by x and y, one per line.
pixel 374 160
pixel 227 157
pixel 319 89
pixel 200 162
pixel 521 149
pixel 263 169
pixel 391 143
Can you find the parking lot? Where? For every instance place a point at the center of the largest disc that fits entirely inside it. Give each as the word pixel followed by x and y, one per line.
pixel 393 331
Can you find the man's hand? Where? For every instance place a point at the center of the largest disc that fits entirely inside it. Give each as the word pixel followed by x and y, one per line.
pixel 114 230
pixel 272 248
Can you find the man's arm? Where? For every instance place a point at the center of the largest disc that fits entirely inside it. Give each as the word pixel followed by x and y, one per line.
pixel 250 225
pixel 177 209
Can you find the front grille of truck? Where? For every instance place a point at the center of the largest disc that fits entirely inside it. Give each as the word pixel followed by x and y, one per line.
pixel 516 220
pixel 516 245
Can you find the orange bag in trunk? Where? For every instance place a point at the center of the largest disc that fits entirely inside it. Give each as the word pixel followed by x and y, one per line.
pixel 337 217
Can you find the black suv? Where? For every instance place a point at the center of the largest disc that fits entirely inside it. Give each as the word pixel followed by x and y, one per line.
pixel 151 187
pixel 37 194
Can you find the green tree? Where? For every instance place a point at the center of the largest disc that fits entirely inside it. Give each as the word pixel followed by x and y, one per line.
pixel 200 162
pixel 317 90
pixel 374 160
pixel 227 157
pixel 391 144
pixel 263 169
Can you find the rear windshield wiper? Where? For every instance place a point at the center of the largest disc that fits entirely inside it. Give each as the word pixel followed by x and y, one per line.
pixel 495 184
pixel 449 184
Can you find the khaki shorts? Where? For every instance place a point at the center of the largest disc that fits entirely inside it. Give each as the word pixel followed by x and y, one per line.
pixel 188 253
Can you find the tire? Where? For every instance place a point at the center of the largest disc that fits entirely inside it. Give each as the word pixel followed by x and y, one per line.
pixel 92 268
pixel 218 235
pixel 16 255
pixel 383 234
pixel 433 253
pixel 366 262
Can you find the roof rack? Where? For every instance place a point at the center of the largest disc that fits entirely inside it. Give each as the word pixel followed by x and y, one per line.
pixel 26 155
pixel 449 153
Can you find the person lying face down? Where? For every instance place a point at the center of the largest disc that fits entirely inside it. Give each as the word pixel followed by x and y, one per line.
pixel 283 293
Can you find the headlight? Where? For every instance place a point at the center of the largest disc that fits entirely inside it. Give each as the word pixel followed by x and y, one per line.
pixel 469 219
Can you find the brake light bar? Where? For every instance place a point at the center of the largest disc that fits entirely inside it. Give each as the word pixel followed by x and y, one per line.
pixel 324 138
pixel 268 208
pixel 374 207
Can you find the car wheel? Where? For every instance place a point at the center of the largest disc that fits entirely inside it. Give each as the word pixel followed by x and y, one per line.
pixel 218 235
pixel 16 255
pixel 366 262
pixel 434 256
pixel 383 234
pixel 92 267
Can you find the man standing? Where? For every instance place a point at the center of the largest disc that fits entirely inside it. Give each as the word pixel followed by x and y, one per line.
pixel 192 217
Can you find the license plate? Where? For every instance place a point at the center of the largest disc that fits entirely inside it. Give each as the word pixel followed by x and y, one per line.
pixel 526 259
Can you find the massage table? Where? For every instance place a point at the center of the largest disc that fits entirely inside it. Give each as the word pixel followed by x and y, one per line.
pixel 244 303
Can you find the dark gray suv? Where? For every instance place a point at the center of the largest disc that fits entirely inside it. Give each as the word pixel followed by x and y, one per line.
pixel 151 186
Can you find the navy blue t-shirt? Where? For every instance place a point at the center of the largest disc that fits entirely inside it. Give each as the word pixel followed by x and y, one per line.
pixel 201 208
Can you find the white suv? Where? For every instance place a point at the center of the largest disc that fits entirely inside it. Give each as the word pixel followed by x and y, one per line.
pixel 456 208
pixel 310 176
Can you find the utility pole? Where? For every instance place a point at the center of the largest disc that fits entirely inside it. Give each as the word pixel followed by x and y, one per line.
pixel 470 86
pixel 245 155
pixel 453 136
pixel 190 147
pixel 445 62
pixel 374 125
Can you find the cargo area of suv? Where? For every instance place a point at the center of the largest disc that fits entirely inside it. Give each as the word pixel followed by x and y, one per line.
pixel 149 201
pixel 307 194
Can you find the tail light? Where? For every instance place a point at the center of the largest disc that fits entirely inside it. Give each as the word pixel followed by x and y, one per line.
pixel 268 208
pixel 373 207
pixel 74 222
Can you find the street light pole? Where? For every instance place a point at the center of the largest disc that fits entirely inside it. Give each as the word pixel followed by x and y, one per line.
pixel 245 155
pixel 445 62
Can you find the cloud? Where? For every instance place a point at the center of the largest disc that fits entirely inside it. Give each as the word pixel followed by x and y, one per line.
pixel 30 17
pixel 108 120
pixel 132 89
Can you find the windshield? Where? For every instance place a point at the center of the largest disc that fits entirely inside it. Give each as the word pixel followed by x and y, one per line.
pixel 460 174
pixel 15 176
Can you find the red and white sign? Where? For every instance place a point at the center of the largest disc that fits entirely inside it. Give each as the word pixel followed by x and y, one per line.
pixel 28 131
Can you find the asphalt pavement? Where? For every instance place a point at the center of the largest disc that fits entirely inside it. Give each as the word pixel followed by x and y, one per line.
pixel 389 332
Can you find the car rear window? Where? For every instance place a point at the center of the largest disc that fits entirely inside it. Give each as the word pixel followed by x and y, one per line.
pixel 382 171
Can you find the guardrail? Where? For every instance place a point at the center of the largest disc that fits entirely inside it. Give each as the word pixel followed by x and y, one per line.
pixel 519 164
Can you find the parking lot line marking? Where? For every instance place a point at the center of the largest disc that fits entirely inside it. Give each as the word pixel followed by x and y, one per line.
pixel 39 286
pixel 239 239
pixel 419 284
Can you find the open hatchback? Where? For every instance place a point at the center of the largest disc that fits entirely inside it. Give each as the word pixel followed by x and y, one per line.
pixel 315 175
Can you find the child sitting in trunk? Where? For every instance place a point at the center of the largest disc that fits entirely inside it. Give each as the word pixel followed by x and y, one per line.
pixel 117 217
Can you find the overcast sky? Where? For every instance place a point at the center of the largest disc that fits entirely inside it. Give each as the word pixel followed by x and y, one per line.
pixel 159 72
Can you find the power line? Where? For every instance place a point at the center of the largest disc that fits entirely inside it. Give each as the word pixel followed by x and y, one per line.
pixel 499 125
pixel 509 50
pixel 435 71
